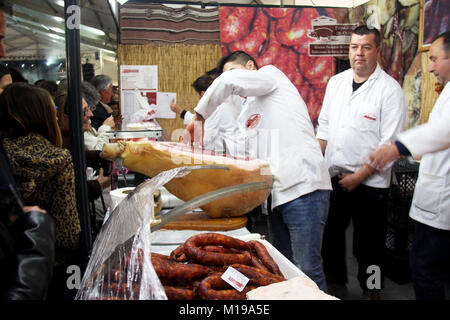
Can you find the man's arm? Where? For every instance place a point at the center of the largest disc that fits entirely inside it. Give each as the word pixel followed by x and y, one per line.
pixel 248 83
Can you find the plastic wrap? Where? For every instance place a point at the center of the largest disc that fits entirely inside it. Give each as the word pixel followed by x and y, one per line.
pixel 120 265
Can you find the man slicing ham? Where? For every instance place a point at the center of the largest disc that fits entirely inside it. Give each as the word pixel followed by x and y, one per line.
pixel 278 130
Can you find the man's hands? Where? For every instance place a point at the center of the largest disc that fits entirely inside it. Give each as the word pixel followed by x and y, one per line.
pixel 350 182
pixel 193 134
pixel 174 107
pixel 383 156
pixel 110 122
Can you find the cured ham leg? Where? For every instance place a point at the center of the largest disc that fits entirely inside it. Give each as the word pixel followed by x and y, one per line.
pixel 152 157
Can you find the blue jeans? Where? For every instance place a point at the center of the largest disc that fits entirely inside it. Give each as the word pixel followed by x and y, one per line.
pixel 430 261
pixel 296 230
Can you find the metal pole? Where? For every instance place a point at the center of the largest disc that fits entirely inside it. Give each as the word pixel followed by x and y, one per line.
pixel 72 24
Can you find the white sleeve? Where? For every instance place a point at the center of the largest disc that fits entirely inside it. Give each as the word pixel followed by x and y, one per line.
pixel 96 142
pixel 188 117
pixel 322 129
pixel 248 83
pixel 429 137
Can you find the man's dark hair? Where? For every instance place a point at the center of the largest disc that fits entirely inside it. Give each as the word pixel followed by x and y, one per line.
pixel 446 40
pixel 363 30
pixel 240 57
pixel 50 85
pixel 202 83
pixel 214 73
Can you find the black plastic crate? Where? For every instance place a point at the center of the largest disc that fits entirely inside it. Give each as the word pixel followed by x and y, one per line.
pixel 404 178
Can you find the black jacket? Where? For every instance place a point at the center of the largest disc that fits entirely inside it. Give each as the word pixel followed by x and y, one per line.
pixel 29 249
pixel 100 114
pixel 27 246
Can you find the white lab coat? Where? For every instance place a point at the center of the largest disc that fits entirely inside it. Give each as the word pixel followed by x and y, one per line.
pixel 431 200
pixel 221 131
pixel 355 123
pixel 278 129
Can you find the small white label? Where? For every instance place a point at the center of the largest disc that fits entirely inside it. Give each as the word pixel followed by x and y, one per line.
pixel 235 279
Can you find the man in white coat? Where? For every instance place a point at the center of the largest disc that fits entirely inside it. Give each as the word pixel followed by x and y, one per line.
pixel 278 130
pixel 363 108
pixel 430 209
pixel 222 133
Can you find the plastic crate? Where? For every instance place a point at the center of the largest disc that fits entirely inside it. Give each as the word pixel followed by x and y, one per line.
pixel 404 178
pixel 399 230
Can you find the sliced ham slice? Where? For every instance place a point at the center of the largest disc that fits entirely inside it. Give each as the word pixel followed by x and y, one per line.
pixel 152 157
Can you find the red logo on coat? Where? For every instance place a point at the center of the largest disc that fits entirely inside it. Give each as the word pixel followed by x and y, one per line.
pixel 253 121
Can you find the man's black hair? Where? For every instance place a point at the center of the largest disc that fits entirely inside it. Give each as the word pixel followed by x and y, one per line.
pixel 363 30
pixel 240 57
pixel 202 83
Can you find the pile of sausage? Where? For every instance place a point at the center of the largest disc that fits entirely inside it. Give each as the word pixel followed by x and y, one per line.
pixel 194 269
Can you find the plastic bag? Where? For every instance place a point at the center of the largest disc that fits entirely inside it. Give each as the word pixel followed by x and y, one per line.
pixel 120 265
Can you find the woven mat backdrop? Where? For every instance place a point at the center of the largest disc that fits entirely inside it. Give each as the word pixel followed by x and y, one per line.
pixel 178 66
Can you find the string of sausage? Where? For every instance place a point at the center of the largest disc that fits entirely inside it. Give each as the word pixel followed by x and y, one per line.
pixel 193 250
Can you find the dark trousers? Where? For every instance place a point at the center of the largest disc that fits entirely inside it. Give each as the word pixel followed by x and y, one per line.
pixel 366 207
pixel 430 261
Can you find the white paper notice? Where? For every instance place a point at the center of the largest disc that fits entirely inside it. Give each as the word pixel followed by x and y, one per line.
pixel 138 77
pixel 235 279
pixel 163 101
pixel 136 80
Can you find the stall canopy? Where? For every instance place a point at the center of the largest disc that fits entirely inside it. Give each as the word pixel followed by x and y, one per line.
pixel 36 30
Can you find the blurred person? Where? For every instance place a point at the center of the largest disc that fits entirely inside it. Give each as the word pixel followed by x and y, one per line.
pixel 103 84
pixel 50 85
pixel 221 131
pixel 430 209
pixel 94 139
pixel 27 234
pixel 43 170
pixel 27 242
pixel 17 76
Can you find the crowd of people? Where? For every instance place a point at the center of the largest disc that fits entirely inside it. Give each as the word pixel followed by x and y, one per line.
pixel 322 181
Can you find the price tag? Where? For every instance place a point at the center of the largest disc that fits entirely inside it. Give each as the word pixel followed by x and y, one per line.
pixel 235 279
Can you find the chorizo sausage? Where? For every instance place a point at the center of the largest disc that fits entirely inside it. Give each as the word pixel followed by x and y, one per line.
pixel 257 276
pixel 265 257
pixel 220 249
pixel 179 293
pixel 194 252
pixel 258 264
pixel 211 238
pixel 178 254
pixel 169 269
pixel 214 288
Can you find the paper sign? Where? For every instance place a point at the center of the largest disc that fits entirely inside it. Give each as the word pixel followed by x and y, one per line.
pixel 235 279
pixel 163 100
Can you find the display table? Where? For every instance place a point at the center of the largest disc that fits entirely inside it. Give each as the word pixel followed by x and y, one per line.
pixel 164 241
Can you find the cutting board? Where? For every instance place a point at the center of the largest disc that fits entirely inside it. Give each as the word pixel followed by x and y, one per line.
pixel 201 221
